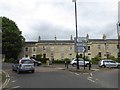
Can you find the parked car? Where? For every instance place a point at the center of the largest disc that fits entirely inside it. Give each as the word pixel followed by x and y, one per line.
pixel 108 63
pixel 23 65
pixel 81 62
pixel 37 63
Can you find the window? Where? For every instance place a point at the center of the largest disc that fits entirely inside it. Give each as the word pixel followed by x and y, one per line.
pixel 99 46
pixel 34 49
pixel 52 48
pixel 80 55
pixel 89 53
pixel 88 47
pixel 34 56
pixel 70 48
pixel 26 49
pixel 107 46
pixel 62 55
pixel 99 54
pixel 117 46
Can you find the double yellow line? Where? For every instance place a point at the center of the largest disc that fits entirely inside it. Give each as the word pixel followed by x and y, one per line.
pixel 6 81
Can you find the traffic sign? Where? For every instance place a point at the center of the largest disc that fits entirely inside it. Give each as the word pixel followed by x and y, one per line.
pixel 81 40
pixel 81 49
pixel 81 44
pixel 119 11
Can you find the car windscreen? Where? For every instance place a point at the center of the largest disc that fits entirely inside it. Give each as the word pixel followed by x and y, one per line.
pixel 26 61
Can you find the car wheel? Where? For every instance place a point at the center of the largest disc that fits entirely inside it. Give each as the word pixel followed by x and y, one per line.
pixel 118 66
pixel 74 64
pixel 33 71
pixel 86 65
pixel 38 64
pixel 18 71
pixel 13 70
pixel 103 66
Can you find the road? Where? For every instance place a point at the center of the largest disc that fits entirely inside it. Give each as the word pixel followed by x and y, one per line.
pixel 45 77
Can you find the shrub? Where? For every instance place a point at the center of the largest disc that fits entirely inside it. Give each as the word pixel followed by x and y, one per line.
pixel 96 59
pixel 87 58
pixel 43 60
pixel 113 58
pixel 11 60
pixel 38 57
pixel 58 61
pixel 67 60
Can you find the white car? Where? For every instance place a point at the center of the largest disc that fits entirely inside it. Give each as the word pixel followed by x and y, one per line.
pixel 81 62
pixel 108 63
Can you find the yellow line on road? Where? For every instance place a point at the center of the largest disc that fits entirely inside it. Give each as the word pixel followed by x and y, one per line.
pixel 7 79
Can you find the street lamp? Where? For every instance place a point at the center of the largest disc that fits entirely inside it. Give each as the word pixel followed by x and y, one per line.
pixel 76 33
pixel 118 32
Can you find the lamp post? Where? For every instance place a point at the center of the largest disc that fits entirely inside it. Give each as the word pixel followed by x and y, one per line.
pixel 76 32
pixel 118 33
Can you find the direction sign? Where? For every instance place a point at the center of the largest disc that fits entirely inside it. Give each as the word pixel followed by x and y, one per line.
pixel 81 49
pixel 81 40
pixel 119 11
pixel 81 44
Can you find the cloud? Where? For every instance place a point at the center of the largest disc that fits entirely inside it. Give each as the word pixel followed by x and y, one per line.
pixel 48 18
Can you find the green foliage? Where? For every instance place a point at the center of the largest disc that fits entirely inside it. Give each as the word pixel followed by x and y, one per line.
pixel 67 60
pixel 96 59
pixel 61 61
pixel 12 40
pixel 87 58
pixel 58 61
pixel 10 60
pixel 79 56
pixel 38 57
pixel 113 58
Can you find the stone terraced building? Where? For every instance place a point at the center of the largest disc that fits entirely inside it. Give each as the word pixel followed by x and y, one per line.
pixel 60 49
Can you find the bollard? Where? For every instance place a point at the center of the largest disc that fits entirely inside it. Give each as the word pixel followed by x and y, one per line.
pixel 47 62
pixel 67 65
pixel 89 66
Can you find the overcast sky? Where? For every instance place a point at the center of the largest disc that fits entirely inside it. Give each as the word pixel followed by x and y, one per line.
pixel 47 18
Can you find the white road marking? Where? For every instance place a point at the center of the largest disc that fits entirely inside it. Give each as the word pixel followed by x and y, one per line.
pixel 89 77
pixel 95 69
pixel 91 80
pixel 16 87
pixel 13 81
pixel 76 74
pixel 71 72
pixel 91 74
pixel 96 79
pixel 85 73
pixel 60 68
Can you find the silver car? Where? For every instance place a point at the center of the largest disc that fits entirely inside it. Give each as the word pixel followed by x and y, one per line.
pixel 108 63
pixel 23 65
pixel 81 62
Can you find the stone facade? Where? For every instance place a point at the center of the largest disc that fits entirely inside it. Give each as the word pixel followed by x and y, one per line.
pixel 60 49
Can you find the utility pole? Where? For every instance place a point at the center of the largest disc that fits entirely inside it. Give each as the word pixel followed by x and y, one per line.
pixel 76 33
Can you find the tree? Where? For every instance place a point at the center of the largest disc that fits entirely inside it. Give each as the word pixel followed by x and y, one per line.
pixel 12 40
